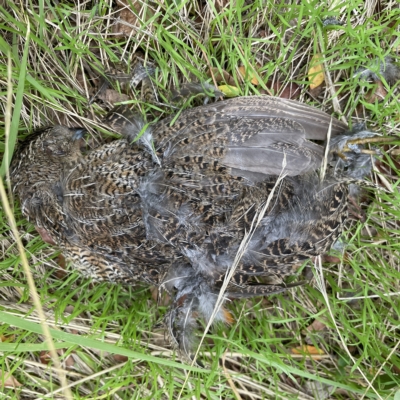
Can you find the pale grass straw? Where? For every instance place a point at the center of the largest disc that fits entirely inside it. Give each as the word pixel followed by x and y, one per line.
pixel 89 377
pixel 319 278
pixel 24 261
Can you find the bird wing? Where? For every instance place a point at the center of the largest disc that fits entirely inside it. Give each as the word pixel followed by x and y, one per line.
pixel 252 136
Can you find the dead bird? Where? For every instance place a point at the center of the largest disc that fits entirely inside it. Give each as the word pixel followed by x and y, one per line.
pixel 172 207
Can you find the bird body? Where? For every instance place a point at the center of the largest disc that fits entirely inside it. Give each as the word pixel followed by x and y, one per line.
pixel 172 208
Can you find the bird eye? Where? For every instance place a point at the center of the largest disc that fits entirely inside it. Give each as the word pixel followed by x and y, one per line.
pixel 53 148
pixel 55 152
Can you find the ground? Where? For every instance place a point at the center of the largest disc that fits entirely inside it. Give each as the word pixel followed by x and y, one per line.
pixel 337 337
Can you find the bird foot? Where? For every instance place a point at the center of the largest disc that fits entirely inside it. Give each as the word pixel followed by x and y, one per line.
pixel 352 145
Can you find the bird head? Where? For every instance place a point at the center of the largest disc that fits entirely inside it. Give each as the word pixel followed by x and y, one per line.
pixel 38 164
pixel 57 144
pixel 42 154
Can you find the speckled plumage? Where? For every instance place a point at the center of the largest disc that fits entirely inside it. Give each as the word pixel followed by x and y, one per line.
pixel 87 204
pixel 172 208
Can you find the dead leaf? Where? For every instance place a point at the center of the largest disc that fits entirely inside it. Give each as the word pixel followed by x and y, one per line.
pixel 330 259
pixel 7 339
pixel 45 357
pixel 316 91
pixel 316 72
pixel 9 381
pixel 229 318
pixel 289 90
pixel 316 326
pixel 314 331
pixel 61 273
pixel 229 91
pixel 352 349
pixel 248 75
pixel 45 235
pixel 131 15
pixel 395 369
pixel 120 358
pixel 221 76
pixel 309 351
pixel 376 94
pixel 69 362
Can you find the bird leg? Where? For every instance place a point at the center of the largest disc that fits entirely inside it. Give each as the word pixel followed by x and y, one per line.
pixel 349 147
pixel 351 155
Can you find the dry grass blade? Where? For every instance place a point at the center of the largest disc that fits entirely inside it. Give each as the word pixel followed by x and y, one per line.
pixel 35 297
pixel 322 288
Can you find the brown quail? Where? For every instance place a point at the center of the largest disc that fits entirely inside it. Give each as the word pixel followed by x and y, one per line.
pixel 172 207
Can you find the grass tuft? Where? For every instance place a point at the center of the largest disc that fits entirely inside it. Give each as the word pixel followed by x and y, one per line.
pixel 52 55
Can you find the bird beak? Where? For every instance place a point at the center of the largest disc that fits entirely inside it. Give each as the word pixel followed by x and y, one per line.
pixel 79 133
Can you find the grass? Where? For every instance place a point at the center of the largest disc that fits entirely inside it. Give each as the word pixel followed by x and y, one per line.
pixel 105 335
